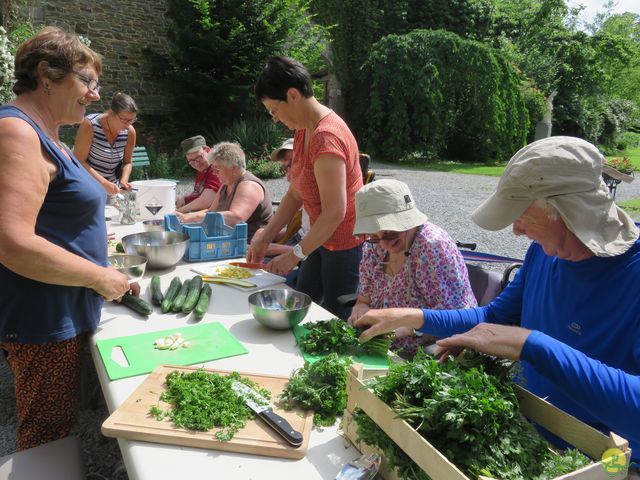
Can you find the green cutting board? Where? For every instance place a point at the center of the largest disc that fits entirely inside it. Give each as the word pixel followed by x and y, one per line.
pixel 369 361
pixel 207 341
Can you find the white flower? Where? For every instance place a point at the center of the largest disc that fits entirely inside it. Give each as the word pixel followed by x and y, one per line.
pixel 6 68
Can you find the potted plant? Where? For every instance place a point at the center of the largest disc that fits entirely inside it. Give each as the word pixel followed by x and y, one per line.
pixel 616 170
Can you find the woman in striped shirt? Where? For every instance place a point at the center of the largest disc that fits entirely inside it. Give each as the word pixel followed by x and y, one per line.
pixel 105 142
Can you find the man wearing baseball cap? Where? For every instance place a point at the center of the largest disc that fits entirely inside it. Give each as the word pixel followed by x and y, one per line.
pixel 206 184
pixel 571 315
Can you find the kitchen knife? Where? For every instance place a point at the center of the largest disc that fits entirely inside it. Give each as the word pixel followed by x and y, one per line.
pixel 264 409
pixel 250 266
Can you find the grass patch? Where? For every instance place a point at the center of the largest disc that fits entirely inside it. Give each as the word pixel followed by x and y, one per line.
pixel 633 154
pixel 632 207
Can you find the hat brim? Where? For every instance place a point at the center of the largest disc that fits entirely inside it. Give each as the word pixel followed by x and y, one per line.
pixel 193 150
pixel 496 213
pixel 396 222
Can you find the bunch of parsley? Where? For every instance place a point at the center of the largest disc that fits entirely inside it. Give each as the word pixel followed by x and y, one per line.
pixel 320 386
pixel 338 336
pixel 201 401
pixel 468 414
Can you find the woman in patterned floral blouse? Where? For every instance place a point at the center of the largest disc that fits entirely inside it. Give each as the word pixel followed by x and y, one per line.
pixel 407 261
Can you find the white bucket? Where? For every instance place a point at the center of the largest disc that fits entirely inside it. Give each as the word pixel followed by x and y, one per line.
pixel 154 198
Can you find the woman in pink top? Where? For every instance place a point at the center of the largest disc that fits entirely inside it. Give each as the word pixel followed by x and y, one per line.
pixel 407 262
pixel 325 176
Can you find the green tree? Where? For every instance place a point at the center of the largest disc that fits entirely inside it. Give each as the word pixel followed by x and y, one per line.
pixel 436 93
pixel 216 50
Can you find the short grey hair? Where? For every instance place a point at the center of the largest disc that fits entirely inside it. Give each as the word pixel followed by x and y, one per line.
pixel 229 154
pixel 550 210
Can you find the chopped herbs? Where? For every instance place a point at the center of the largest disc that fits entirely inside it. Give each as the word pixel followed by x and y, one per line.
pixel 202 400
pixel 468 414
pixel 320 386
pixel 338 336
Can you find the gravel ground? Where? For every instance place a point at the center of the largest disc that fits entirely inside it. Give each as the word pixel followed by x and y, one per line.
pixel 447 199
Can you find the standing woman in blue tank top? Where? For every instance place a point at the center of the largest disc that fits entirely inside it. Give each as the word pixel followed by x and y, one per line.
pixel 105 142
pixel 53 265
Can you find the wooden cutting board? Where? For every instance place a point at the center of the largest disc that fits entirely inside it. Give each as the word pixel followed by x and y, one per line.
pixel 131 420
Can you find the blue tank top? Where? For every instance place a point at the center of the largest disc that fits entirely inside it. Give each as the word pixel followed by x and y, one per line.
pixel 71 216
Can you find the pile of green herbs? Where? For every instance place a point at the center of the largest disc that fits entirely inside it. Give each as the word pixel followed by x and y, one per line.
pixel 320 386
pixel 468 410
pixel 337 336
pixel 203 400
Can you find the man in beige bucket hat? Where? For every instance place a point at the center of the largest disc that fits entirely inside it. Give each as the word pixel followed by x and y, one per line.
pixel 571 315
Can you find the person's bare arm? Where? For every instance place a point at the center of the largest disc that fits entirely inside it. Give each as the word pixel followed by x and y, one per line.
pixel 247 197
pixel 25 174
pixel 81 147
pixel 331 177
pixel 127 166
pixel 290 204
pixel 203 202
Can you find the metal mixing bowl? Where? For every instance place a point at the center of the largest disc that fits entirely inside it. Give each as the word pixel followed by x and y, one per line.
pixel 162 249
pixel 279 309
pixel 133 266
pixel 153 225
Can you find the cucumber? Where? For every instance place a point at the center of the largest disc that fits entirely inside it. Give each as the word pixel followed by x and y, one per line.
pixel 137 304
pixel 156 292
pixel 203 302
pixel 179 299
pixel 173 290
pixel 192 295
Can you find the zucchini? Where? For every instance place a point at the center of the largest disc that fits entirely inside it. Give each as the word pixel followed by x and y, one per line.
pixel 203 302
pixel 156 291
pixel 173 290
pixel 137 304
pixel 179 299
pixel 192 295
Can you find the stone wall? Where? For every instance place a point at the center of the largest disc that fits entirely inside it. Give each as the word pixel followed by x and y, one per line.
pixel 120 30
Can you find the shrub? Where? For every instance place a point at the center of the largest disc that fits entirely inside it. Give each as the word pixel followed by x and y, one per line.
pixel 6 68
pixel 258 136
pixel 435 92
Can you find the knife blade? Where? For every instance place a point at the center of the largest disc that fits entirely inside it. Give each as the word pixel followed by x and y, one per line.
pixel 264 409
pixel 250 266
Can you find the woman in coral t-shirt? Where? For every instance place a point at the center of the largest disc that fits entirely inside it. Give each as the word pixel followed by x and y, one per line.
pixel 325 176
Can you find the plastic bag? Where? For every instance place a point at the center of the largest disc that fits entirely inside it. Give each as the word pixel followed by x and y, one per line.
pixel 364 468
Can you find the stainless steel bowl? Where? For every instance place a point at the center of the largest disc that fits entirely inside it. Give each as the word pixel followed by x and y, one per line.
pixel 279 309
pixel 153 225
pixel 133 266
pixel 162 249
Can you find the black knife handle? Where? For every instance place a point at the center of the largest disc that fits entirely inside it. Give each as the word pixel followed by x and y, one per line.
pixel 283 427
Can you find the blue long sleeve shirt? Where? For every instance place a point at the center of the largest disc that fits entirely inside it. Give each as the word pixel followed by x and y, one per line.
pixel 583 355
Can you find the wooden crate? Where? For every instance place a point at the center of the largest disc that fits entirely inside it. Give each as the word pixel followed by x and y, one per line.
pixel 585 438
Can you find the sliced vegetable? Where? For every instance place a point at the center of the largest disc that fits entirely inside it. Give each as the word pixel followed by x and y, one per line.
pixel 119 247
pixel 203 302
pixel 230 281
pixel 137 304
pixel 173 290
pixel 192 295
pixel 156 291
pixel 178 301
pixel 171 342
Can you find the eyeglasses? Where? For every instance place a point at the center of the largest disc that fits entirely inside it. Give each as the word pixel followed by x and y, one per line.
pixel 274 111
pixel 128 121
pixel 386 236
pixel 91 83
pixel 195 159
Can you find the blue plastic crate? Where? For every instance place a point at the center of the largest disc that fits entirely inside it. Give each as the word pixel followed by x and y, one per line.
pixel 212 239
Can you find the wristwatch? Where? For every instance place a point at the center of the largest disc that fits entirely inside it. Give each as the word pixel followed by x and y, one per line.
pixel 297 251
